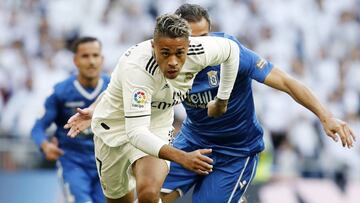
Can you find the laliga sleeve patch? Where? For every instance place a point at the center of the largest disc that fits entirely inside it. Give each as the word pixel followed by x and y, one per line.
pixel 139 99
pixel 260 64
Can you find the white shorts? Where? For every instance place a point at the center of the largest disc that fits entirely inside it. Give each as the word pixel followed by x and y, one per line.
pixel 114 167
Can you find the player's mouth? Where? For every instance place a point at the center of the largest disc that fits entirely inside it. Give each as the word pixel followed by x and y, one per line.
pixel 172 73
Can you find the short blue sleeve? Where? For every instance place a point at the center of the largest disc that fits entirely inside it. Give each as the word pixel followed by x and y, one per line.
pixel 254 66
pixel 38 132
pixel 251 64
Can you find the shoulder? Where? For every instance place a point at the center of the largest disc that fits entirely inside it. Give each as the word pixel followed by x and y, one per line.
pixel 139 59
pixel 63 86
pixel 105 77
pixel 214 40
pixel 196 47
pixel 138 53
pixel 227 36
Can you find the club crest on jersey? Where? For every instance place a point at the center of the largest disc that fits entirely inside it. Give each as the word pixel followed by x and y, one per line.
pixel 260 64
pixel 139 99
pixel 188 76
pixel 213 78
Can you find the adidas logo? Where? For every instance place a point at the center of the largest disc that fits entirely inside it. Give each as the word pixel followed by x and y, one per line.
pixel 165 86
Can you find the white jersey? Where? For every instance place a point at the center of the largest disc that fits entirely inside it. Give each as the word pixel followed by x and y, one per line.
pixel 138 104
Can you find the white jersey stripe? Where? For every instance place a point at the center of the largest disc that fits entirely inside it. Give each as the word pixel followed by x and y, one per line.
pixel 251 177
pixel 238 181
pixel 87 95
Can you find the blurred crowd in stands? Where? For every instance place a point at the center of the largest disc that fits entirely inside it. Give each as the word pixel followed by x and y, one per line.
pixel 316 41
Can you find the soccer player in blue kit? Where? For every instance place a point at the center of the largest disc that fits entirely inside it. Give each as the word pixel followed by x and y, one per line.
pixel 75 157
pixel 236 138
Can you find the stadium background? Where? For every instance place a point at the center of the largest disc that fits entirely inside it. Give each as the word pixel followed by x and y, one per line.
pixel 317 41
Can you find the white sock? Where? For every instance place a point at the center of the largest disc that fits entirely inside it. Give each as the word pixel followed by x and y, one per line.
pixel 136 201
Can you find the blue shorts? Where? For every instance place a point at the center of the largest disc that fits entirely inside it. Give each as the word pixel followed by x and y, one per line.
pixel 80 184
pixel 229 180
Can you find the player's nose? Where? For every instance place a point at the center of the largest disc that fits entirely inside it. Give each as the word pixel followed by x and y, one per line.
pixel 173 61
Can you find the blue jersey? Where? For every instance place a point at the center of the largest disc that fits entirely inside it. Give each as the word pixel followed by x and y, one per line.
pixel 59 107
pixel 237 132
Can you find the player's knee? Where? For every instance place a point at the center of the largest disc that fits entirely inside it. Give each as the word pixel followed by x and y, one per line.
pixel 148 194
pixel 169 197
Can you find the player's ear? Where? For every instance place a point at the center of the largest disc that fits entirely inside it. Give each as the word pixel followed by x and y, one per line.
pixel 152 43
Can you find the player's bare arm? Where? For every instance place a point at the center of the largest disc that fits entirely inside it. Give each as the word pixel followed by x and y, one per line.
pixel 333 127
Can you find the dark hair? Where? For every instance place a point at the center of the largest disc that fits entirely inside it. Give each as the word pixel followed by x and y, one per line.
pixel 82 40
pixel 171 25
pixel 193 13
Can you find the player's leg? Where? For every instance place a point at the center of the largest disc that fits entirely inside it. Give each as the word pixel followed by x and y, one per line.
pixel 113 165
pixel 150 173
pixel 228 181
pixel 179 180
pixel 97 194
pixel 177 183
pixel 170 197
pixel 75 182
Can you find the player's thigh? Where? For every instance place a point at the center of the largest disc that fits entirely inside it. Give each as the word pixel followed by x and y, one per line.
pixel 75 181
pixel 150 171
pixel 179 179
pixel 114 168
pixel 228 181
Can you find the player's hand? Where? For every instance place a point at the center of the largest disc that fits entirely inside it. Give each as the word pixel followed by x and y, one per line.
pixel 79 122
pixel 217 107
pixel 336 129
pixel 51 150
pixel 197 162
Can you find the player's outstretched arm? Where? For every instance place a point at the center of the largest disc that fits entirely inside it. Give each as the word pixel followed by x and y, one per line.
pixel 82 119
pixel 195 161
pixel 140 136
pixel 79 122
pixel 333 127
pixel 225 52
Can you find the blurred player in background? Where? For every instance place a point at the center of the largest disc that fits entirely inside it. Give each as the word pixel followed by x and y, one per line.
pixel 236 138
pixel 132 122
pixel 75 157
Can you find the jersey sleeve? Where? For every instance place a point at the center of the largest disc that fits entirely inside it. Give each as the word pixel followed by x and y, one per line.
pixel 138 87
pixel 219 50
pixel 38 132
pixel 254 66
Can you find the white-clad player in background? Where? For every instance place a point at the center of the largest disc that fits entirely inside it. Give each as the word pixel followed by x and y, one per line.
pixel 133 120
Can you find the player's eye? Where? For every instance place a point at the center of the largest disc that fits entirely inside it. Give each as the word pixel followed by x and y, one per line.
pixel 179 54
pixel 165 54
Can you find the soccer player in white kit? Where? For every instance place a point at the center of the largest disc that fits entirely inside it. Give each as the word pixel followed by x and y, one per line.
pixel 133 120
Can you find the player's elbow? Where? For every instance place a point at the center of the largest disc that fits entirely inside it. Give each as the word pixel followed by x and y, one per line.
pixel 134 134
pixel 144 140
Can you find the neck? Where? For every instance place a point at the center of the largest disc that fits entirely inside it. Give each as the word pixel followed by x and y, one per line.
pixel 86 82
